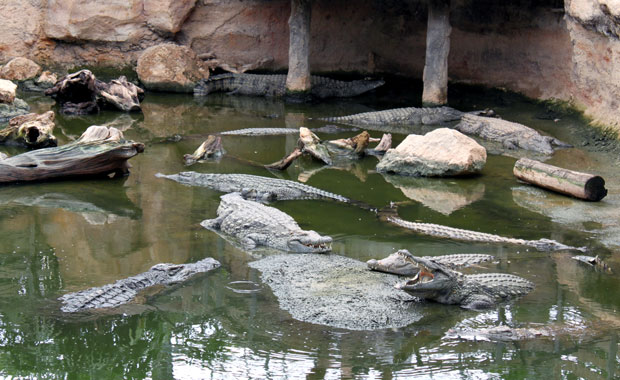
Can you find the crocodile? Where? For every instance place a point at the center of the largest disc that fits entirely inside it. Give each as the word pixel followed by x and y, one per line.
pixel 261 132
pixel 403 116
pixel 263 189
pixel 437 282
pixel 400 263
pixel 461 234
pixel 253 224
pixel 125 290
pixel 275 85
pixel 593 261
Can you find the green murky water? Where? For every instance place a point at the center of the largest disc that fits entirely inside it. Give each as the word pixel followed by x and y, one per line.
pixel 67 236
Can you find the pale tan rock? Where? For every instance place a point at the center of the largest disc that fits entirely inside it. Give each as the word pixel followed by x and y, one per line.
pixel 170 67
pixel 47 79
pixel 167 17
pixel 20 68
pixel 92 20
pixel 7 91
pixel 442 152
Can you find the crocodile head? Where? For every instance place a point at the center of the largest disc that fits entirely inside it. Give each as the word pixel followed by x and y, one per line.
pixel 308 242
pixel 176 273
pixel 398 263
pixel 433 280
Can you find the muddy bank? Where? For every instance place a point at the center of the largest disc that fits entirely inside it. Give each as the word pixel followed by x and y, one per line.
pixel 337 291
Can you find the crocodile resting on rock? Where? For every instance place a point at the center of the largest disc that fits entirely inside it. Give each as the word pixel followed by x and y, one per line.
pixel 262 189
pixel 400 262
pixel 460 234
pixel 254 224
pixel 404 116
pixel 438 283
pixel 125 290
pixel 275 85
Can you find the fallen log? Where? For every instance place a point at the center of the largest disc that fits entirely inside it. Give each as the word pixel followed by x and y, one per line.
pixel 580 185
pixel 211 147
pixel 94 153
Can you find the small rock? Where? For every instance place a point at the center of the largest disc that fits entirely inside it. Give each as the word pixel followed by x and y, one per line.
pixel 7 91
pixel 9 111
pixel 47 79
pixel 20 69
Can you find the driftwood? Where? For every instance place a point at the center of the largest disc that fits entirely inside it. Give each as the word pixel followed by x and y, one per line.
pixel 580 185
pixel 211 147
pixel 31 130
pixel 313 146
pixel 385 144
pixel 99 151
pixel 357 144
pixel 286 161
pixel 82 93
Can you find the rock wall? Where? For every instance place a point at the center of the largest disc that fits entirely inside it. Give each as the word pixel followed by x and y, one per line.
pixel 568 50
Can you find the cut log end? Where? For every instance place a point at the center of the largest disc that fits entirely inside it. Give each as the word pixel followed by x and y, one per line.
pixel 595 189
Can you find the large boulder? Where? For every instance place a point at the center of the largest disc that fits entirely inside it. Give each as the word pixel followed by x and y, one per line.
pixel 20 69
pixel 171 68
pixel 442 152
pixel 167 17
pixel 7 91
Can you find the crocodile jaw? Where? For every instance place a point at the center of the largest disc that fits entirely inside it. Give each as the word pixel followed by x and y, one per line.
pixel 431 282
pixel 395 263
pixel 309 242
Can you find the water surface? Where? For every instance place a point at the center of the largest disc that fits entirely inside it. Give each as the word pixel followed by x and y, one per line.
pixel 67 236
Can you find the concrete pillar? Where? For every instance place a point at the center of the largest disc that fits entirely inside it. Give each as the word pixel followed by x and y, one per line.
pixel 298 78
pixel 437 49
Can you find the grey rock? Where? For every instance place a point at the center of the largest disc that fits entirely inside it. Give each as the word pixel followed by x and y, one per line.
pixel 337 291
pixel 9 111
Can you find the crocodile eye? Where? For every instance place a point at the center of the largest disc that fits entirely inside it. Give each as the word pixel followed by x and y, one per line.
pixel 173 271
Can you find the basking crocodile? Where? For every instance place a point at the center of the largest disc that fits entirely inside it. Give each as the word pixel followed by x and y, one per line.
pixel 436 282
pixel 125 290
pixel 400 262
pixel 254 224
pixel 403 116
pixel 254 187
pixel 275 85
pixel 460 234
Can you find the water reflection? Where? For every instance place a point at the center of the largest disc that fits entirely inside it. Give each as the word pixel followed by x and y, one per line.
pixel 442 195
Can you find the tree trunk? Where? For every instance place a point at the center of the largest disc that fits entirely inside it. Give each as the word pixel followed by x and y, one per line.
pixel 298 78
pixel 93 154
pixel 286 161
pixel 435 75
pixel 580 185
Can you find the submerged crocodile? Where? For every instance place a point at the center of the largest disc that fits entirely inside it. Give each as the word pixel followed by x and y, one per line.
pixel 403 116
pixel 400 262
pixel 275 85
pixel 460 234
pixel 263 189
pixel 254 224
pixel 125 290
pixel 437 282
